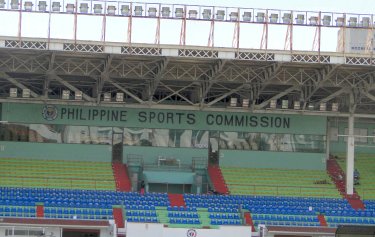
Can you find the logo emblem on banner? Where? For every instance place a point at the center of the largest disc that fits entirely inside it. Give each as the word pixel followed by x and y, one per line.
pixel 49 112
pixel 191 233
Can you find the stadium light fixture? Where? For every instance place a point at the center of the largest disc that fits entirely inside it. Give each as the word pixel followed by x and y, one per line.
pixel 26 93
pixel 125 10
pixel 323 106
pixel 193 14
pixel 179 13
pixel 352 21
pixel 13 92
pixel 260 16
pixel 42 6
pixel 138 10
pixel 220 15
pixel 313 20
pixel 285 104
pixel 233 102
pixel 233 16
pixel 365 21
pixel 65 95
pixel 111 10
pixel 340 21
pixel 273 104
pixel 107 97
pixel 78 95
pixel 310 106
pixel 165 12
pixel 56 6
pixel 300 19
pixel 206 14
pixel 28 6
pixel 84 8
pixel 245 103
pixel 287 18
pixel 70 8
pixel 14 4
pixel 335 107
pixel 274 18
pixel 327 20
pixel 152 12
pixel 98 8
pixel 120 97
pixel 2 4
pixel 297 105
pixel 246 16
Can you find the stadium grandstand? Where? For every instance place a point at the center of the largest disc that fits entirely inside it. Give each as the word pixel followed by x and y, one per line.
pixel 131 127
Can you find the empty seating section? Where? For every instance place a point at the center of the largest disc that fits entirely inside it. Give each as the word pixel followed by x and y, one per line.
pixel 365 164
pixel 279 182
pixel 56 174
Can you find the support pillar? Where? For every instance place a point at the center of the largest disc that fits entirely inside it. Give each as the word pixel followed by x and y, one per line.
pixel 328 140
pixel 350 156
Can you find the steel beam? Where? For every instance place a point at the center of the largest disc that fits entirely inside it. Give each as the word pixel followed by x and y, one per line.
pixel 277 96
pixel 17 83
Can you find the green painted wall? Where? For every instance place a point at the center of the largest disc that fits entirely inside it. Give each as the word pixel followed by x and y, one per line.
pixel 151 154
pixel 165 177
pixel 265 159
pixel 53 151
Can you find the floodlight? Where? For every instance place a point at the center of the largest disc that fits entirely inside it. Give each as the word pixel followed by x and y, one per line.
pixel 245 103
pixel 125 10
pixel 273 18
pixel 152 12
pixel 300 19
pixel 340 21
pixel 111 10
pixel 165 11
pixel 42 6
pixel 98 8
pixel 179 12
pixel 287 18
pixel 26 93
pixel 233 16
pixel 352 21
pixel 119 97
pixel 78 95
pixel 138 10
pixel 297 105
pixel 65 95
pixel 284 104
pixel 14 4
pixel 84 8
pixel 2 4
pixel 313 20
pixel 56 6
pixel 69 8
pixel 13 92
pixel 365 21
pixel 107 97
pixel 273 104
pixel 193 14
pixel 246 16
pixel 323 106
pixel 335 107
pixel 233 102
pixel 260 17
pixel 28 6
pixel 220 15
pixel 310 106
pixel 326 20
pixel 206 14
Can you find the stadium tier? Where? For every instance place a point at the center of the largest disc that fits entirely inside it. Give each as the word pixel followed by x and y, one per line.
pixel 56 174
pixel 279 182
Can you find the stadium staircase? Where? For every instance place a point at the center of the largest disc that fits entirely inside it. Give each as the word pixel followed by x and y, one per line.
pixel 118 217
pixel 217 179
pixel 176 200
pixel 338 177
pixel 322 220
pixel 249 221
pixel 120 173
pixel 40 211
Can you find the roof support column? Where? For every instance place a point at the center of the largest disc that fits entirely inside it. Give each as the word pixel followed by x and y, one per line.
pixel 350 156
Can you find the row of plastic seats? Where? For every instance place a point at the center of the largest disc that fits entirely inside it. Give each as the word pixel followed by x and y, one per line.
pixel 190 221
pixel 181 208
pixel 286 218
pixel 83 211
pixel 224 215
pixel 341 220
pixel 142 219
pixel 183 214
pixel 223 209
pixel 266 210
pixel 78 217
pixel 17 209
pixel 352 213
pixel 150 203
pixel 18 214
pixel 285 223
pixel 225 222
pixel 140 213
pixel 139 207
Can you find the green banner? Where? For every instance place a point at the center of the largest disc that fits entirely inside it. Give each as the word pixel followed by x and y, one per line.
pixel 158 118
